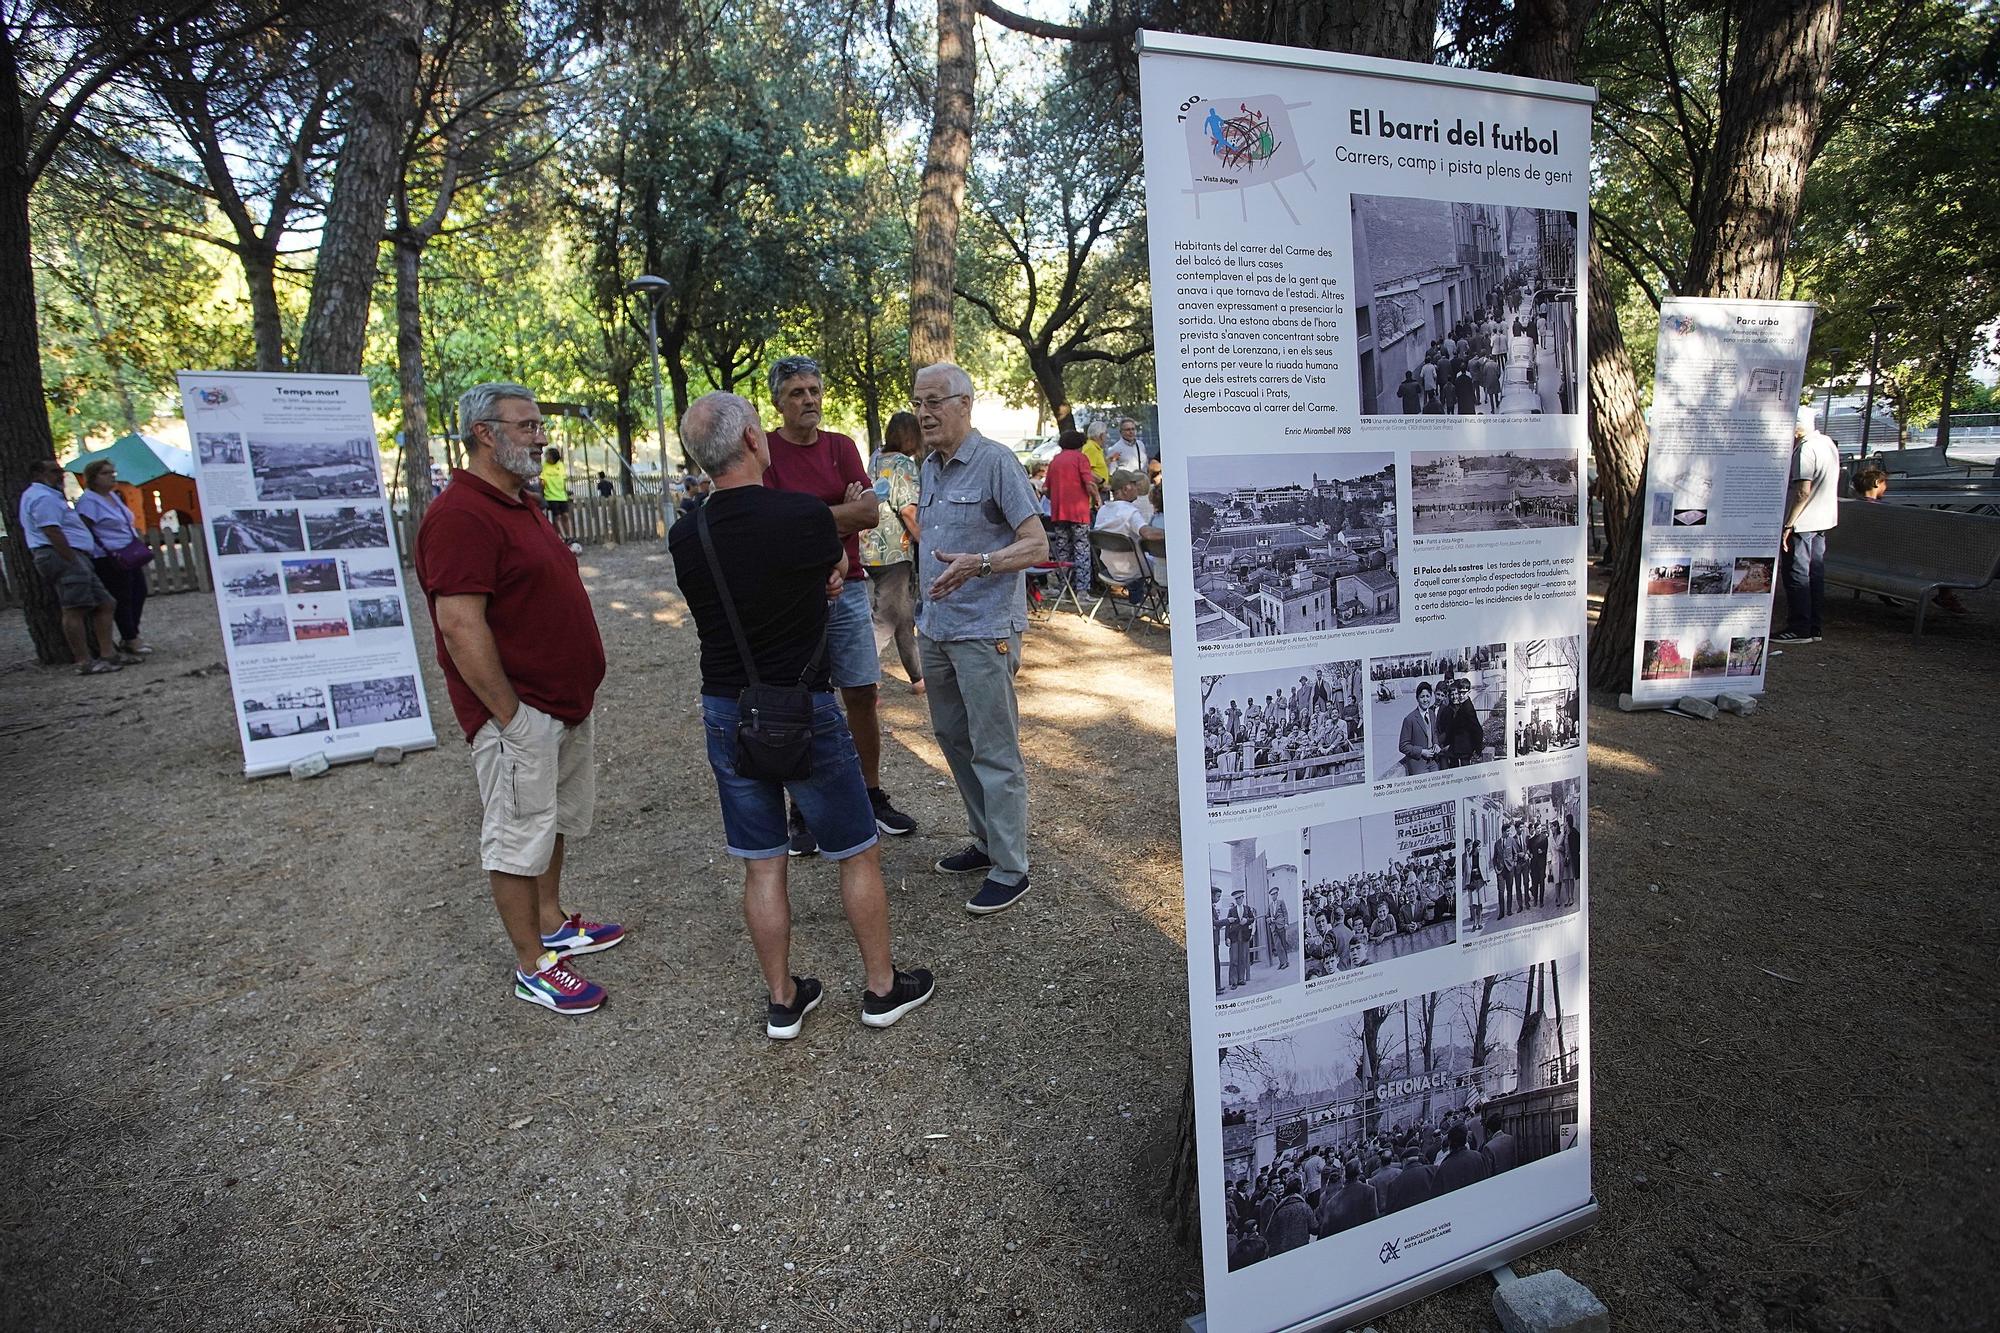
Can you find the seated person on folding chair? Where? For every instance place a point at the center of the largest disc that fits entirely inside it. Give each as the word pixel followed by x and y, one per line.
pixel 1123 569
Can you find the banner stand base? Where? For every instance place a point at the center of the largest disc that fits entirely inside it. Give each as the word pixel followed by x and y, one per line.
pixel 1429 1284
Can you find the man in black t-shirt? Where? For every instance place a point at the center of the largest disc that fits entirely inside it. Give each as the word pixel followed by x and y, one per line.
pixel 781 559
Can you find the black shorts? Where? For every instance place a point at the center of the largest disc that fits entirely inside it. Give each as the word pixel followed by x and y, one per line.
pixel 556 508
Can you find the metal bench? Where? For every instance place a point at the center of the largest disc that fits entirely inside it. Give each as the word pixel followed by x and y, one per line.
pixel 1907 553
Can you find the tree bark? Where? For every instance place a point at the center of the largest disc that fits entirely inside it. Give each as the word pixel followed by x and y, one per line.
pixel 1764 142
pixel 379 108
pixel 1618 442
pixel 1944 408
pixel 267 325
pixel 943 192
pixel 410 374
pixel 23 400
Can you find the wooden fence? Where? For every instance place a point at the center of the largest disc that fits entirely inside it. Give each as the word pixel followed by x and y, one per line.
pixel 180 559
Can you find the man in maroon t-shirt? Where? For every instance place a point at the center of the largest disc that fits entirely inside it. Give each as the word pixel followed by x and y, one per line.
pixel 522 662
pixel 828 467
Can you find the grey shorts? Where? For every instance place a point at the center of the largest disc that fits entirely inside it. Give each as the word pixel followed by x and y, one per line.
pixel 74 579
pixel 537 778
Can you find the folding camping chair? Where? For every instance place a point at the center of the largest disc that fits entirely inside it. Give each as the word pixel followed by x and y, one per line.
pixel 1040 600
pixel 1131 590
pixel 1154 544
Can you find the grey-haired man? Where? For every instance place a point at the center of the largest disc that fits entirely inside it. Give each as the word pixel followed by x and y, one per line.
pixel 982 526
pixel 827 466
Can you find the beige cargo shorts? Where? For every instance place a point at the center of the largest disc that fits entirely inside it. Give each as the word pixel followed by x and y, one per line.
pixel 537 778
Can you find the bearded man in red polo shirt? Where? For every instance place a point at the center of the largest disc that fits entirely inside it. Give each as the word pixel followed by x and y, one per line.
pixel 522 661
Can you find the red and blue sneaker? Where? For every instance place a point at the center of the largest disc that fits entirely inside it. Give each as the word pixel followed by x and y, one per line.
pixel 554 986
pixel 577 936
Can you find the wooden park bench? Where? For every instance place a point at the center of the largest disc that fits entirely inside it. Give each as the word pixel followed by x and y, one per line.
pixel 1908 553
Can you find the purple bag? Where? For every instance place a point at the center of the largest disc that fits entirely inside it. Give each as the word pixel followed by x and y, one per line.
pixel 137 555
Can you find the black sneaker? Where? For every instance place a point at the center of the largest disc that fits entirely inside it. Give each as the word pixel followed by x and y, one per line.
pixel 966 862
pixel 887 817
pixel 912 988
pixel 1793 636
pixel 803 842
pixel 993 896
pixel 785 1020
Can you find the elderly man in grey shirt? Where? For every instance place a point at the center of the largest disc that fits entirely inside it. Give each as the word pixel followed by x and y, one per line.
pixel 981 526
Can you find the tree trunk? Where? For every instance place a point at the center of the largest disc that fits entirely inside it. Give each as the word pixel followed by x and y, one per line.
pixel 22 398
pixel 410 376
pixel 1048 373
pixel 1618 442
pixel 379 108
pixel 943 193
pixel 1763 145
pixel 623 387
pixel 267 326
pixel 1944 408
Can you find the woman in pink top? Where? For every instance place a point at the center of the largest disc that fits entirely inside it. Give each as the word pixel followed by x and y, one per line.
pixel 1072 490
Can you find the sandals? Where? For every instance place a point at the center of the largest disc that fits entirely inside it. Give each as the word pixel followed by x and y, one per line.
pixel 97 666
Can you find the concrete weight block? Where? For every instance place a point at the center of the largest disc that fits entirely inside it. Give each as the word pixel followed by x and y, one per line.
pixel 1551 1302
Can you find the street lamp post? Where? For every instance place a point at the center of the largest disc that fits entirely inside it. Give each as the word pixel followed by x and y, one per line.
pixel 1878 312
pixel 655 290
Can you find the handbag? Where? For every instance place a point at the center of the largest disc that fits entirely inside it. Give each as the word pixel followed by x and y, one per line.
pixel 134 555
pixel 774 727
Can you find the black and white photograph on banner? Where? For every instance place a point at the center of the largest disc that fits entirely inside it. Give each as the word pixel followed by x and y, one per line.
pixel 294 469
pixel 216 449
pixel 1691 517
pixel 1668 577
pixel 1711 578
pixel 365 573
pixel 257 531
pixel 1253 889
pixel 309 575
pixel 1292 543
pixel 1438 710
pixel 1379 887
pixel 375 612
pixel 1342 1122
pixel 1522 855
pixel 1464 309
pixel 319 619
pixel 1746 656
pixel 256 623
pixel 1753 574
pixel 1463 491
pixel 284 713
pixel 360 703
pixel 347 528
pixel 1284 731
pixel 1548 695
pixel 251 580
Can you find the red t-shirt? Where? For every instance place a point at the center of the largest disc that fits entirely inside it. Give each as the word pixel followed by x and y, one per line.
pixel 1069 495
pixel 823 470
pixel 474 539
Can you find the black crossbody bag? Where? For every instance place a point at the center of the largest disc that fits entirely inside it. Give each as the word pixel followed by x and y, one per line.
pixel 774 727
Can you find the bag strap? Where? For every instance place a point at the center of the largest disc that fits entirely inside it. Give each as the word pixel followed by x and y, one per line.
pixel 729 608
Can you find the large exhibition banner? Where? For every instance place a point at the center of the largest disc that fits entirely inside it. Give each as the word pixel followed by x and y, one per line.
pixel 315 618
pixel 1726 387
pixel 1368 307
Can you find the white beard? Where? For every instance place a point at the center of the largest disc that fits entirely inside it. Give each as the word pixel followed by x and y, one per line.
pixel 521 462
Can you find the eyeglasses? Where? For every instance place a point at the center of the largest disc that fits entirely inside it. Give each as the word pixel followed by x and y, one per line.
pixel 532 425
pixel 933 404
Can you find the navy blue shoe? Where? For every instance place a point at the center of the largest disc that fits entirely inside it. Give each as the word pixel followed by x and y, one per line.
pixel 968 861
pixel 993 896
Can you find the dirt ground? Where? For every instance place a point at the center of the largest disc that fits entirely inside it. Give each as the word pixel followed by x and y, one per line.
pixel 263 1065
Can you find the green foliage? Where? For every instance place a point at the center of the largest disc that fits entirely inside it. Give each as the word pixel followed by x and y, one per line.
pixel 120 312
pixel 1053 252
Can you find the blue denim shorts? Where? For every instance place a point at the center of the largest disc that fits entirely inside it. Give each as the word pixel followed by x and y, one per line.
pixel 833 801
pixel 851 654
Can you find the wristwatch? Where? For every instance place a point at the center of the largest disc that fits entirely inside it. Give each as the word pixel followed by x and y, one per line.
pixel 985 564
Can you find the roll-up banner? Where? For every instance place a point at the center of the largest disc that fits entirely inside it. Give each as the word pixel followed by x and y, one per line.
pixel 315 616
pixel 1726 387
pixel 1368 307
